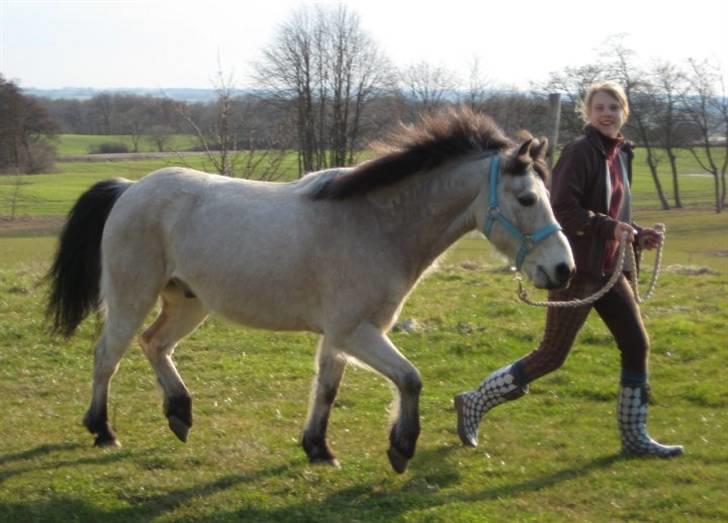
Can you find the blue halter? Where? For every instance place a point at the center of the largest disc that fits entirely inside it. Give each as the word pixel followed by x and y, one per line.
pixel 526 242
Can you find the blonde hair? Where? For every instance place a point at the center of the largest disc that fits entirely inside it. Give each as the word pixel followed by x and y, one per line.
pixel 609 87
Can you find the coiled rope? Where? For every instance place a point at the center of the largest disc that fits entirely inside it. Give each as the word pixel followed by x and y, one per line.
pixel 623 253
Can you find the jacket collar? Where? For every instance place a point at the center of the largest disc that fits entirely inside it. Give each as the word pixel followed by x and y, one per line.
pixel 594 139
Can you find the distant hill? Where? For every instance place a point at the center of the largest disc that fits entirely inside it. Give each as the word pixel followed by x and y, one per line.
pixel 84 93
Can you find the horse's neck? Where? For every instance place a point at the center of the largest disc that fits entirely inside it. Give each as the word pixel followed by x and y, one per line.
pixel 435 210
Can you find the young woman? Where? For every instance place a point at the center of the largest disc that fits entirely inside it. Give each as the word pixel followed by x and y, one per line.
pixel 591 198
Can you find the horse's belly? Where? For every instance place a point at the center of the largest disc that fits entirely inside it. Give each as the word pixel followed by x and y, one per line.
pixel 265 308
pixel 280 322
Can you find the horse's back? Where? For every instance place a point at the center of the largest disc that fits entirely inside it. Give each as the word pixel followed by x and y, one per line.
pixel 262 254
pixel 244 248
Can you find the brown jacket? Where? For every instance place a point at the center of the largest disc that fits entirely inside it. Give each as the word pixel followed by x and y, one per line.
pixel 579 198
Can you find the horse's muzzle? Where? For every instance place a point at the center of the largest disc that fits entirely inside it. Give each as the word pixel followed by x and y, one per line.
pixel 559 278
pixel 564 273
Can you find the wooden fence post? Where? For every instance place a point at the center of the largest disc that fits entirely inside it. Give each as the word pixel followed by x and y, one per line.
pixel 555 119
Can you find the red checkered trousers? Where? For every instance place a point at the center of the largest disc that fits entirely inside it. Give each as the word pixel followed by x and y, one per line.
pixel 619 311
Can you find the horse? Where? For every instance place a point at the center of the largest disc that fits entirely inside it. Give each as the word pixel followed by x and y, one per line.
pixel 335 252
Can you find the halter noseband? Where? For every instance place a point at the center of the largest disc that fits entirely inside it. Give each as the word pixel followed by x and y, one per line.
pixel 526 242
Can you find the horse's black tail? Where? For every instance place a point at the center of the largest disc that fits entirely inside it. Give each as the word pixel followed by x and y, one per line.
pixel 76 272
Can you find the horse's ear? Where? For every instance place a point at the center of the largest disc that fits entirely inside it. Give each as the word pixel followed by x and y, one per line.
pixel 538 151
pixel 525 148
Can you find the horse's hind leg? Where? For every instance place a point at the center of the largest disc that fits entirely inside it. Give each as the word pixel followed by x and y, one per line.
pixel 181 313
pixel 330 364
pixel 118 331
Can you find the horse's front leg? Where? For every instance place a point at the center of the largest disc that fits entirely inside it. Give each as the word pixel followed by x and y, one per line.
pixel 330 365
pixel 370 345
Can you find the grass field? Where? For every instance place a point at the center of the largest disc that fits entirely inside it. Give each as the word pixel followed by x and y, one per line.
pixel 551 456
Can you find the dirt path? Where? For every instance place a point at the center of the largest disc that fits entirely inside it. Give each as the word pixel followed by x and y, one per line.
pixel 31 226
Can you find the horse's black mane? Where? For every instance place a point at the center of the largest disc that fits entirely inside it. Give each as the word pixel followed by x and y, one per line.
pixel 438 139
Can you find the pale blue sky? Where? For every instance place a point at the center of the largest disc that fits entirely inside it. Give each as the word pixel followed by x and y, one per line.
pixel 163 44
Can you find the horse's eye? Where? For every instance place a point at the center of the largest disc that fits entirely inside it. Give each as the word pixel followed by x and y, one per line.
pixel 527 200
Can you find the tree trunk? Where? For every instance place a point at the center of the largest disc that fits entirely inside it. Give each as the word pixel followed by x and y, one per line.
pixel 718 206
pixel 675 181
pixel 655 178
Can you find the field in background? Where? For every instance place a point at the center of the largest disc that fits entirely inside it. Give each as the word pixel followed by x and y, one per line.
pixel 79 144
pixel 53 193
pixel 551 456
pixel 50 196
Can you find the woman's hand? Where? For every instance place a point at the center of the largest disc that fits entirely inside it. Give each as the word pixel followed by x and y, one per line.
pixel 649 238
pixel 625 228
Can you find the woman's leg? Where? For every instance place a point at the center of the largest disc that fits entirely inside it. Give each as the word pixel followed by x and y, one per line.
pixel 511 382
pixel 621 314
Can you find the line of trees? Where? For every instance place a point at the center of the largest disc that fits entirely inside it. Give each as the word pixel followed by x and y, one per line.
pixel 325 89
pixel 672 107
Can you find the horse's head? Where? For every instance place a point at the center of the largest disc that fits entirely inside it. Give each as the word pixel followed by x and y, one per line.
pixel 518 218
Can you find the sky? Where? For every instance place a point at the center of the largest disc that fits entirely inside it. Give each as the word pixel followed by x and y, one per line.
pixel 166 44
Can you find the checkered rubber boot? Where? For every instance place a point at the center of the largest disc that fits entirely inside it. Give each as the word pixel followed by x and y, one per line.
pixel 497 388
pixel 632 418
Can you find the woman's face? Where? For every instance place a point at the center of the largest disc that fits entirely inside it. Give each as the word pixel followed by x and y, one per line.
pixel 605 114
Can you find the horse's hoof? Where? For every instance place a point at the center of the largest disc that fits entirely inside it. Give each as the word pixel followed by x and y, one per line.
pixel 397 460
pixel 318 451
pixel 107 442
pixel 326 461
pixel 179 427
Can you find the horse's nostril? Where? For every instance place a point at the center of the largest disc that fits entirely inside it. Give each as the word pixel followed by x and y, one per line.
pixel 564 272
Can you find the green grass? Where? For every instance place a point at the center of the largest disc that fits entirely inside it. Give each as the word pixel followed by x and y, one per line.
pixel 80 144
pixel 551 456
pixel 695 191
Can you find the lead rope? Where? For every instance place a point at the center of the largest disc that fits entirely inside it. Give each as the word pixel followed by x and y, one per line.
pixel 659 227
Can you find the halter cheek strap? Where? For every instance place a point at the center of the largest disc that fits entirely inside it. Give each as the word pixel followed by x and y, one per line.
pixel 526 242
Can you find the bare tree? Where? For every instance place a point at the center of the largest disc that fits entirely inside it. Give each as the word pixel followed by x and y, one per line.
pixel 640 94
pixel 288 72
pixel 102 111
pixel 720 104
pixel 428 86
pixel 230 144
pixel 707 111
pixel 160 135
pixel 25 131
pixel 667 86
pixel 357 71
pixel 135 122
pixel 216 139
pixel 71 115
pixel 476 90
pixel 323 61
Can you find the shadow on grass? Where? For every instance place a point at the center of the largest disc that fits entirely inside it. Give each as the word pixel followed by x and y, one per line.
pixel 39 451
pixel 371 500
pixel 43 451
pixel 66 508
pixel 422 492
